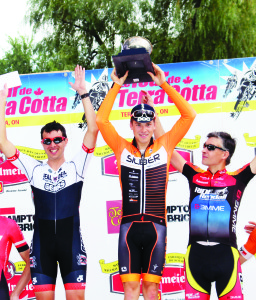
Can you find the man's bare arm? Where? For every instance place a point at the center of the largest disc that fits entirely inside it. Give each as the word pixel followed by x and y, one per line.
pixel 6 146
pixel 24 278
pixel 80 86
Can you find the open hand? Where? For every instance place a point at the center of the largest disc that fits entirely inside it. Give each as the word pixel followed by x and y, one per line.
pixel 4 93
pixel 79 84
pixel 250 227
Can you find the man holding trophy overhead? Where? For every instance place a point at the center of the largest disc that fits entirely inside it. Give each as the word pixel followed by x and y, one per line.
pixel 143 166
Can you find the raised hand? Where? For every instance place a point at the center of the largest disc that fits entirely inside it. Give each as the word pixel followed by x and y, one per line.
pixel 146 98
pixel 4 93
pixel 79 84
pixel 159 77
pixel 118 80
pixel 250 227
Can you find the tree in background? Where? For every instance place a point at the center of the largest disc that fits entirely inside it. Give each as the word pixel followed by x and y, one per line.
pixel 89 32
pixel 19 57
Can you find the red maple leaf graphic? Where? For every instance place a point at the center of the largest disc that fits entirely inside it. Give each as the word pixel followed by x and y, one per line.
pixel 38 92
pixel 188 80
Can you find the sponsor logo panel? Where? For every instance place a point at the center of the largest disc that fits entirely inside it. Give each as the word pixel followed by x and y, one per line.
pixel 114 212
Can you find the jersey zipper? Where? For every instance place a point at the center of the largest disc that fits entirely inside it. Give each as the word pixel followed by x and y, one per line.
pixel 208 211
pixel 55 215
pixel 143 181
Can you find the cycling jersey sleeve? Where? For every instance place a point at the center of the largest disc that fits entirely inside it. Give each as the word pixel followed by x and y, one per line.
pixel 107 130
pixel 82 159
pixel 17 237
pixel 189 170
pixel 243 174
pixel 182 126
pixel 25 163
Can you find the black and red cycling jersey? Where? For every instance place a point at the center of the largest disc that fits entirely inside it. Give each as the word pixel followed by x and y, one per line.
pixel 214 203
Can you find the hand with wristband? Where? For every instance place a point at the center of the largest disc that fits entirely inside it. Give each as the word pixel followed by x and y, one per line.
pixel 79 84
pixel 249 248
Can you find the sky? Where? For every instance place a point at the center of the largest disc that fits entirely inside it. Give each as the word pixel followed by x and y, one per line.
pixel 12 22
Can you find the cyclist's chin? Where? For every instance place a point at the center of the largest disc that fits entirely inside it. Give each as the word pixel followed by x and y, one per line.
pixel 54 153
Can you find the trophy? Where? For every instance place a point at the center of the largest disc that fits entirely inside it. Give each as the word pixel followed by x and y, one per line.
pixel 135 57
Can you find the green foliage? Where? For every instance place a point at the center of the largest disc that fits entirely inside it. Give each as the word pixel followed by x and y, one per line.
pixel 19 57
pixel 217 29
pixel 89 32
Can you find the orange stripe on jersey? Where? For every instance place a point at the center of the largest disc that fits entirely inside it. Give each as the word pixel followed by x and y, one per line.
pixel 238 171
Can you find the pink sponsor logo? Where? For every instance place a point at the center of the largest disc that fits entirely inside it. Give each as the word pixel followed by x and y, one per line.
pixel 27 293
pixel 114 213
pixel 110 165
pixel 10 174
pixel 186 154
pixel 173 281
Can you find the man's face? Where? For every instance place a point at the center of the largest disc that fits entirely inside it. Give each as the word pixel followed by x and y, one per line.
pixel 216 156
pixel 54 151
pixel 142 132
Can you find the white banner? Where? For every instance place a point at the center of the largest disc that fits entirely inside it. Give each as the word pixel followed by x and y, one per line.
pixel 222 92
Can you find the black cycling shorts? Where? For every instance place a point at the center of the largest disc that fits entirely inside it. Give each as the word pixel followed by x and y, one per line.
pixel 58 242
pixel 141 251
pixel 4 291
pixel 206 264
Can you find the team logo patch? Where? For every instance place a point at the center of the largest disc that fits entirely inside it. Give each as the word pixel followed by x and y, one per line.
pixel 124 269
pixel 80 278
pixel 34 280
pixel 33 262
pixel 10 270
pixel 81 259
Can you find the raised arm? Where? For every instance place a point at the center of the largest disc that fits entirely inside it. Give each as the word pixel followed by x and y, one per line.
pixel 248 250
pixel 92 129
pixel 5 145
pixel 188 114
pixel 177 160
pixel 147 99
pixel 106 128
pixel 253 165
pixel 250 227
pixel 24 278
